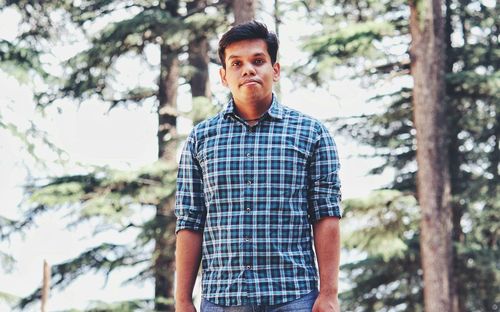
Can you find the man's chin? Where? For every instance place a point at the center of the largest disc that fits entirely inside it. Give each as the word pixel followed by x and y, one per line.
pixel 251 97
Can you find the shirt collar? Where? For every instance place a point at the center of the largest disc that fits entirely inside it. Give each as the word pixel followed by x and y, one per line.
pixel 275 110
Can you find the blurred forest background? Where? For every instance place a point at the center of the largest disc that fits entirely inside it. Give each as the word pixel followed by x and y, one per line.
pixel 78 53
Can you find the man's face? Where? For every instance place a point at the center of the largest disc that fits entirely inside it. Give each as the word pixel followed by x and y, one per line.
pixel 249 73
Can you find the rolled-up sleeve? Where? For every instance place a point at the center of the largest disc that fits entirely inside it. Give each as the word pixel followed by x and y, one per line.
pixel 189 200
pixel 324 194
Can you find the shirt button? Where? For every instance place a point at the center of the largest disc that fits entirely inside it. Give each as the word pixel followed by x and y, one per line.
pixel 249 267
pixel 249 182
pixel 248 209
pixel 247 239
pixel 249 155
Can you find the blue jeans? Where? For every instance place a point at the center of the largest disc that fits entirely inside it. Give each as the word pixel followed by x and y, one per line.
pixel 303 304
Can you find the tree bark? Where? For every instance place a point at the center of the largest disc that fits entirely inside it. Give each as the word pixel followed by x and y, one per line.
pixel 457 295
pixel 163 257
pixel 433 181
pixel 198 58
pixel 244 11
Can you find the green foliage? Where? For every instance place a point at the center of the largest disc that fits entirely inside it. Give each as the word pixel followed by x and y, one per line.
pixel 202 109
pixel 32 140
pixel 91 72
pixel 19 61
pixel 356 38
pixel 105 257
pixel 110 198
pixel 383 222
pixel 337 46
pixel 469 83
pixel 473 90
pixel 8 298
pixel 110 195
pixel 58 194
pixel 384 228
pixel 4 224
pixel 394 284
pixel 6 262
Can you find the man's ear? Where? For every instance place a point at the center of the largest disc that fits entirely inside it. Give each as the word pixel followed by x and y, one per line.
pixel 276 71
pixel 222 74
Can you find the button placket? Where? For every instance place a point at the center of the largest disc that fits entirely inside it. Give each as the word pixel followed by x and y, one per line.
pixel 248 171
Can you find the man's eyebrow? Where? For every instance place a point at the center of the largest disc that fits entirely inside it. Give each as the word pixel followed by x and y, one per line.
pixel 237 56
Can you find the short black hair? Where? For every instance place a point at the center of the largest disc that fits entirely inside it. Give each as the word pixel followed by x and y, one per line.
pixel 246 31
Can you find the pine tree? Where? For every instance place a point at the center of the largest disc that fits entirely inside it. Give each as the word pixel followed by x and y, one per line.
pixel 371 40
pixel 110 195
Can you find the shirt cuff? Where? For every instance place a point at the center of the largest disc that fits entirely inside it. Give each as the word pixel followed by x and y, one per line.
pixel 329 208
pixel 186 223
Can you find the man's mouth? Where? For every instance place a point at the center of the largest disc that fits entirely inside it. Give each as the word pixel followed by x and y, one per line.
pixel 249 82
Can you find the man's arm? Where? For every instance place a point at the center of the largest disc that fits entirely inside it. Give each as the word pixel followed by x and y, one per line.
pixel 327 244
pixel 187 259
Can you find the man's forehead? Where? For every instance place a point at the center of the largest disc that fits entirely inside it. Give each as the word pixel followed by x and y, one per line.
pixel 250 47
pixel 232 56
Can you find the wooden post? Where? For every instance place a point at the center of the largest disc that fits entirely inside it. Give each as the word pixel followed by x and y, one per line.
pixel 45 284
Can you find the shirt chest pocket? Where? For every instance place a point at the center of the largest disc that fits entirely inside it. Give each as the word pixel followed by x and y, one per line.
pixel 286 162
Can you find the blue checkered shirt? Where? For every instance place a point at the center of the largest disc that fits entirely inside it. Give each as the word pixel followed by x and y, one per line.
pixel 254 193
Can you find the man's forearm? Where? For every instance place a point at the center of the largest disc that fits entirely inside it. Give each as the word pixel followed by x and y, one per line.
pixel 327 244
pixel 187 259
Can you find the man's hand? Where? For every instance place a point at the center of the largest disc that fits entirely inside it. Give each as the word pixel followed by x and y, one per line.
pixel 184 307
pixel 326 303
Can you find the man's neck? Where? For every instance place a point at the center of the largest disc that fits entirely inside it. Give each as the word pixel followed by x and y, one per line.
pixel 251 110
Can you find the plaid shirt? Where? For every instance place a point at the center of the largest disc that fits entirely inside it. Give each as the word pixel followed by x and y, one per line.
pixel 254 192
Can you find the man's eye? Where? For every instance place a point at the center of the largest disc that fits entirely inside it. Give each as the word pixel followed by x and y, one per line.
pixel 235 64
pixel 259 62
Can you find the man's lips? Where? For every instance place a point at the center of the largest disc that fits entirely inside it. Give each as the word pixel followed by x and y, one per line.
pixel 250 81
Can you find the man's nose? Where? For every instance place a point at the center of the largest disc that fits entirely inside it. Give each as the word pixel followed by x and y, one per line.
pixel 248 69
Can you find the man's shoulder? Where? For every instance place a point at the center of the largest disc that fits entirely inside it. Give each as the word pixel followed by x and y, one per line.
pixel 207 124
pixel 304 120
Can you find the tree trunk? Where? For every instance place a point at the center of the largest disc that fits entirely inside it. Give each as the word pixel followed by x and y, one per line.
pixel 433 182
pixel 198 58
pixel 163 258
pixel 244 11
pixel 457 295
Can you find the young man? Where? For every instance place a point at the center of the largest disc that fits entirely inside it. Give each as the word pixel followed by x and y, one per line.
pixel 252 182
